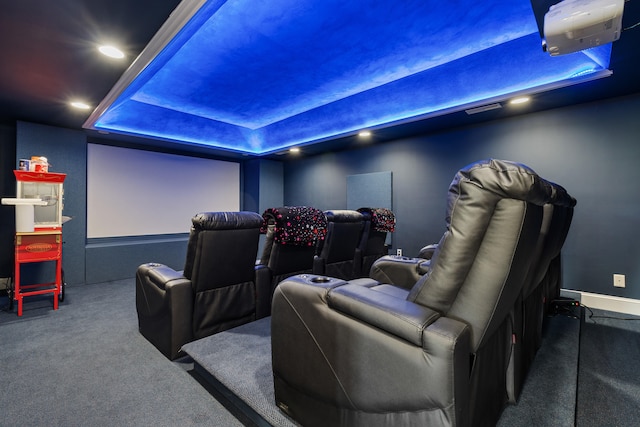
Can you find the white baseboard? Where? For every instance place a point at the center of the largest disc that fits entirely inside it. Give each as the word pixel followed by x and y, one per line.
pixel 605 302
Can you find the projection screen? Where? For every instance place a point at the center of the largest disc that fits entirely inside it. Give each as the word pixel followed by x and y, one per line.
pixel 135 192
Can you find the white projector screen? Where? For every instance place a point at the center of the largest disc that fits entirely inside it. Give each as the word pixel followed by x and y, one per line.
pixel 135 192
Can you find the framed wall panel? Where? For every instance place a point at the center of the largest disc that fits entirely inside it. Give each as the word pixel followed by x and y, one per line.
pixel 369 190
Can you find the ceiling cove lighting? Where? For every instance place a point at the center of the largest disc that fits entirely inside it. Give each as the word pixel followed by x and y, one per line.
pixel 259 77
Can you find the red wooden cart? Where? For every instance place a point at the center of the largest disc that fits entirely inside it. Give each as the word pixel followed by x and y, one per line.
pixel 39 237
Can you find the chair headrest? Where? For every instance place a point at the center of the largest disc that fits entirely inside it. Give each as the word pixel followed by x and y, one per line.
pixel 382 219
pixel 343 215
pixel 226 220
pixel 511 180
pixel 295 225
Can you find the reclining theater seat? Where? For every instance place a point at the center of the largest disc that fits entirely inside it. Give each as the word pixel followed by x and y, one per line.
pixel 377 223
pixel 216 291
pixel 552 282
pixel 360 352
pixel 529 316
pixel 337 255
pixel 292 233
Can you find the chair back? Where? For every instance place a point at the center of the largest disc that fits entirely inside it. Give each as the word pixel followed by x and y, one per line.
pixel 482 263
pixel 479 268
pixel 292 233
pixel 220 263
pixel 377 223
pixel 337 253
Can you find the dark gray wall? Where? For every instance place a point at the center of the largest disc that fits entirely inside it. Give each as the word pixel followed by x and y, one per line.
pixel 98 260
pixel 263 187
pixel 118 258
pixel 7 189
pixel 66 151
pixel 590 149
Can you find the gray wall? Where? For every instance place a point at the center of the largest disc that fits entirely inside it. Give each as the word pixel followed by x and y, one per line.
pixel 87 260
pixel 66 151
pixel 7 189
pixel 263 187
pixel 591 149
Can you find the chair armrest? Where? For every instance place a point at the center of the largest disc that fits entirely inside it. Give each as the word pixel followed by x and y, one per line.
pixel 351 344
pixel 428 251
pixel 159 285
pixel 399 317
pixel 398 270
pixel 318 265
pixel 164 302
pixel 263 291
pixel 160 275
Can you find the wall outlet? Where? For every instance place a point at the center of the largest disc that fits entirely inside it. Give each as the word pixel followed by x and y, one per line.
pixel 399 252
pixel 618 280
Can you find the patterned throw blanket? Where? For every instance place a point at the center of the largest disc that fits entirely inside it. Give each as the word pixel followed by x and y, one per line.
pixel 382 219
pixel 296 225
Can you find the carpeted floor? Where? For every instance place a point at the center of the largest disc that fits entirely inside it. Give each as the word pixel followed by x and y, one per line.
pixel 609 383
pixel 86 364
pixel 548 398
pixel 240 360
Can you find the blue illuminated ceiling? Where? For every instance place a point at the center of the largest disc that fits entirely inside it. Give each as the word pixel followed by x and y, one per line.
pixel 258 77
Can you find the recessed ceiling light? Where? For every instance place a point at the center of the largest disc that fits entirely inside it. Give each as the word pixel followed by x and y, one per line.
pixel 520 100
pixel 80 105
pixel 111 51
pixel 294 150
pixel 364 133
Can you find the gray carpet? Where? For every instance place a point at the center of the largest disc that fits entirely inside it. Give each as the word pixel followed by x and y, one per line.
pixel 609 383
pixel 86 364
pixel 240 360
pixel 548 396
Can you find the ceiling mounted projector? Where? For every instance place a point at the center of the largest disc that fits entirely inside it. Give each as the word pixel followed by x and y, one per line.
pixel 574 25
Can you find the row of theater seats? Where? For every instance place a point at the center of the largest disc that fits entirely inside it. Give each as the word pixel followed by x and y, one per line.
pixel 444 341
pixel 222 287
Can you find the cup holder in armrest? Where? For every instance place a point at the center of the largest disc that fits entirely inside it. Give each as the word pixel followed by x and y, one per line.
pixel 320 279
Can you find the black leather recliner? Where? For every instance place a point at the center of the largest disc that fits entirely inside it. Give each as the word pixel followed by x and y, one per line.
pixel 377 223
pixel 531 311
pixel 216 291
pixel 338 255
pixel 292 234
pixel 361 352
